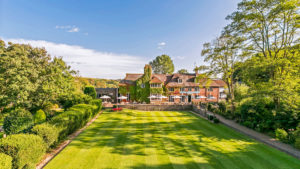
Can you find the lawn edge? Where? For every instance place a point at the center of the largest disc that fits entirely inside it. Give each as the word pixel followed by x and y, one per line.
pixel 49 156
pixel 271 142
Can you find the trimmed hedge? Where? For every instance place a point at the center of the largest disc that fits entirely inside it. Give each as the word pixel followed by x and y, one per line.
pixel 5 161
pixel 19 120
pixel 25 149
pixel 98 103
pixel 48 132
pixel 39 116
pixel 75 118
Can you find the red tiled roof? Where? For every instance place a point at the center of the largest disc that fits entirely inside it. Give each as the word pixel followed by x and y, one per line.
pixel 133 76
pixel 155 80
pixel 188 80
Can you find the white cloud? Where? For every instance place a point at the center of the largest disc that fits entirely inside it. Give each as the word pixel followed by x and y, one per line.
pixel 74 30
pixel 89 62
pixel 161 44
pixel 68 28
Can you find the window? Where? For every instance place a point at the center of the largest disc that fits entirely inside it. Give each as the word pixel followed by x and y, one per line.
pixel 143 85
pixel 171 98
pixel 210 89
pixel 210 96
pixel 171 89
pixel 182 89
pixel 179 80
pixel 197 89
pixel 155 85
pixel 182 99
pixel 190 89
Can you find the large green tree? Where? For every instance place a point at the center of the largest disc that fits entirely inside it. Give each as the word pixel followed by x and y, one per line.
pixel 162 65
pixel 222 55
pixel 271 30
pixel 30 78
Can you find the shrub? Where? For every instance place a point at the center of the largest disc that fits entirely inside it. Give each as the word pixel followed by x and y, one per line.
pixel 5 161
pixel 69 100
pixel 222 107
pixel 98 103
pixel 17 121
pixel 25 149
pixel 210 117
pixel 297 142
pixel 216 120
pixel 39 116
pixel 73 119
pixel 91 91
pixel 48 132
pixel 281 135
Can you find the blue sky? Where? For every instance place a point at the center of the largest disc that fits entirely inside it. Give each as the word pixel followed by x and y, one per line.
pixel 106 39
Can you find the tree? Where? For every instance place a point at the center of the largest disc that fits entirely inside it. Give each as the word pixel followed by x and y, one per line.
pixel 29 78
pixel 91 91
pixel 222 55
pixel 270 29
pixel 162 65
pixel 182 71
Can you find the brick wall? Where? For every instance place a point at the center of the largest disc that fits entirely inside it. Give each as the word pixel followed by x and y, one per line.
pixel 149 107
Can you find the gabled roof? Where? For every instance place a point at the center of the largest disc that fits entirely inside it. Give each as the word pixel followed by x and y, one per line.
pixel 133 76
pixel 188 80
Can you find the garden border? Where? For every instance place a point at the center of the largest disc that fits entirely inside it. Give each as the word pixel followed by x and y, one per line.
pixel 49 156
pixel 288 149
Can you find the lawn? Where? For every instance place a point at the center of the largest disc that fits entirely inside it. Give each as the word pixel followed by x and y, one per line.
pixel 165 139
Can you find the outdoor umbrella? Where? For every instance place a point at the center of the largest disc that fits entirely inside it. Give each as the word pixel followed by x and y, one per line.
pixel 163 97
pixel 104 97
pixel 122 97
pixel 152 97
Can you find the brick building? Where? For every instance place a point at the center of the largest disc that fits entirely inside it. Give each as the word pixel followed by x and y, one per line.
pixel 181 88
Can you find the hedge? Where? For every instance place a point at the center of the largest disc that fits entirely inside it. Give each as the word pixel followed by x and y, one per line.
pixel 75 118
pixel 25 149
pixel 5 161
pixel 48 132
pixel 19 120
pixel 39 116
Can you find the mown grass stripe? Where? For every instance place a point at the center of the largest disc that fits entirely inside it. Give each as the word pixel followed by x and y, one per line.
pixel 137 139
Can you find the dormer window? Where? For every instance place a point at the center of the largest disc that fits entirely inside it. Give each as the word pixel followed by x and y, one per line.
pixel 155 85
pixel 179 80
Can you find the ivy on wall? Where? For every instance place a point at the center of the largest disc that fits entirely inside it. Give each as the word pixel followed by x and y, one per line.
pixel 123 90
pixel 156 90
pixel 142 94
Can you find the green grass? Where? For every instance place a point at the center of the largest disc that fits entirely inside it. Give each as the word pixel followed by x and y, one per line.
pixel 164 139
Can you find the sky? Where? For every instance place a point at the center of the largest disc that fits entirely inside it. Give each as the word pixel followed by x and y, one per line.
pixel 107 39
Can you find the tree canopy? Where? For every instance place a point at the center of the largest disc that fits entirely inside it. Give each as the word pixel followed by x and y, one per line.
pixel 182 71
pixel 162 65
pixel 29 78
